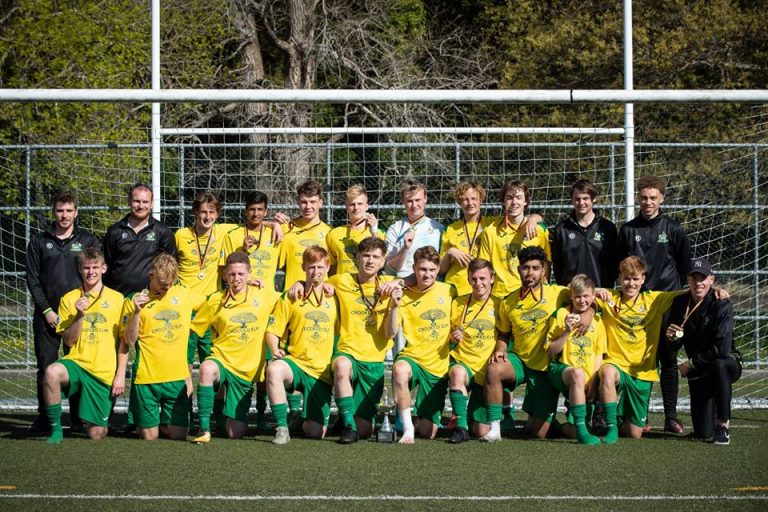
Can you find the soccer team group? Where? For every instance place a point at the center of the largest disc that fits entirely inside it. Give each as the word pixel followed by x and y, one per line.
pixel 471 310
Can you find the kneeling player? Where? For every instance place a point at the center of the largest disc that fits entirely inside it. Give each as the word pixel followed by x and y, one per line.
pixel 90 323
pixel 423 312
pixel 473 324
pixel 576 358
pixel 158 322
pixel 305 365
pixel 358 367
pixel 238 319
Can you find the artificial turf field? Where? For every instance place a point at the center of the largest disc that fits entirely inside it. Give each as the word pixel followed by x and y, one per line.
pixel 121 473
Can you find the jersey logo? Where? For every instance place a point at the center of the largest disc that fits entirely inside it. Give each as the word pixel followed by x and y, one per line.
pixel 167 316
pixel 174 300
pixel 92 319
pixel 598 237
pixel 482 326
pixel 571 236
pixel 316 317
pixel 307 243
pixel 151 237
pixel 76 247
pixel 49 245
pixel 124 235
pixel 533 316
pixel 243 319
pixel 581 342
pixel 440 301
pixel 433 315
pixel 663 238
pixel 638 238
pixel 105 305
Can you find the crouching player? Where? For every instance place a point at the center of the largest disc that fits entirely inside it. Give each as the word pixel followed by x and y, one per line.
pixel 358 365
pixel 575 359
pixel 89 326
pixel 238 319
pixel 423 312
pixel 473 331
pixel 311 323
pixel 157 322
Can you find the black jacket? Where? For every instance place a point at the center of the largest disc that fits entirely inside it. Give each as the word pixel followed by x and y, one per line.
pixel 708 333
pixel 592 250
pixel 664 246
pixel 53 266
pixel 129 255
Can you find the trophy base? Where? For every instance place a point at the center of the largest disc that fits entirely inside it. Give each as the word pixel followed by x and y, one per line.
pixel 386 437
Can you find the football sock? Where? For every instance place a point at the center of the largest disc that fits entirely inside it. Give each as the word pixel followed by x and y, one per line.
pixel 610 419
pixel 294 403
pixel 583 436
pixel 281 414
pixel 53 413
pixel 494 412
pixel 347 410
pixel 205 406
pixel 405 418
pixel 459 403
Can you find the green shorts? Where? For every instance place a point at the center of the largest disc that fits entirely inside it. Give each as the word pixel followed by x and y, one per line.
pixel 237 397
pixel 477 410
pixel 95 399
pixel 634 395
pixel 540 396
pixel 316 393
pixel 200 344
pixel 555 375
pixel 164 403
pixel 430 396
pixel 367 385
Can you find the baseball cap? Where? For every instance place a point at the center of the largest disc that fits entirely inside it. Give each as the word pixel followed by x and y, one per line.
pixel 700 266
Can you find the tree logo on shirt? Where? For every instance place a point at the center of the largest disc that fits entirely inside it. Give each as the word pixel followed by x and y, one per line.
pixel 482 325
pixel 316 317
pixel 77 247
pixel 433 315
pixel 92 319
pixel 167 316
pixel 598 237
pixel 632 322
pixel 533 316
pixel 581 342
pixel 151 237
pixel 244 319
pixel 258 257
pixel 663 238
pixel 307 243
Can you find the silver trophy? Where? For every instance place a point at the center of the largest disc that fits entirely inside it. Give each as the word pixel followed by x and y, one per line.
pixel 385 433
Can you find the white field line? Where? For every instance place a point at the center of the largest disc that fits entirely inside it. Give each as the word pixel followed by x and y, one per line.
pixel 140 497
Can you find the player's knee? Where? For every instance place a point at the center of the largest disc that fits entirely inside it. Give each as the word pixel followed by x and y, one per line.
pixel 576 377
pixel 342 368
pixel 148 434
pixel 457 376
pixel 54 373
pixel 97 433
pixel 400 373
pixel 208 372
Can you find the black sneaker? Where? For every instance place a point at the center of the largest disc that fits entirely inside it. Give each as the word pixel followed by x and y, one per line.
pixel 348 436
pixel 599 426
pixel 722 436
pixel 76 426
pixel 39 426
pixel 674 426
pixel 459 435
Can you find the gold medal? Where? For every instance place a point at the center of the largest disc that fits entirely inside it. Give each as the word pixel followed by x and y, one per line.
pixel 679 334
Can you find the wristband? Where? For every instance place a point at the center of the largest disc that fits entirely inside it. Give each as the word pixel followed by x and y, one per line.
pixel 47 311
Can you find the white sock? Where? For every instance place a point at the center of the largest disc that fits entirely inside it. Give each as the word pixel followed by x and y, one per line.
pixel 495 431
pixel 407 421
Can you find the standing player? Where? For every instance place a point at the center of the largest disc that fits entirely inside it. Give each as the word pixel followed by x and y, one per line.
pixel 198 249
pixel 358 364
pixel 90 325
pixel 473 326
pixel 238 319
pixel 157 322
pixel 661 242
pixel 305 364
pixel 519 356
pixel 501 242
pixel 633 320
pixel 342 241
pixel 576 358
pixel 584 242
pixel 132 243
pixel 53 270
pixel 423 312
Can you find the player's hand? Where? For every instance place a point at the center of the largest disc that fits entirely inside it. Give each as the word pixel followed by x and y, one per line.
pixel 372 222
pixel 282 218
pixel 408 239
pixel 396 296
pixel 81 305
pixel 459 256
pixel 603 294
pixel 140 299
pixel 277 233
pixel 571 321
pixel 278 354
pixel 672 330
pixel 296 291
pixel 457 335
pixel 328 290
pixel 52 319
pixel 498 357
pixel 118 385
pixel 386 289
pixel 684 368
pixel 258 283
pixel 248 242
pixel 530 225
pixel 721 293
pixel 190 387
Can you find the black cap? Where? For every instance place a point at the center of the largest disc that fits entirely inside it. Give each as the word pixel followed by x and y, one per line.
pixel 701 266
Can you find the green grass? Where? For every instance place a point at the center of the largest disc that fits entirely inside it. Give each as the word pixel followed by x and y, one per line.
pixel 660 465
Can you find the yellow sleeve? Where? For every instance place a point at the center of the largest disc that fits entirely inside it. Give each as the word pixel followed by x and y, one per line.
pixel 128 310
pixel 556 328
pixel 202 319
pixel 502 320
pixel 444 243
pixel 456 312
pixel 602 340
pixel 484 251
pixel 278 320
pixel 67 313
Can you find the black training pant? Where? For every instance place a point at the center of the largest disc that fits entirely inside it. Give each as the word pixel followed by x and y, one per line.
pixel 711 396
pixel 47 344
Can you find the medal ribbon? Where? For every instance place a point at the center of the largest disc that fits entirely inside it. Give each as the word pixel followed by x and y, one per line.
pixel 83 294
pixel 202 255
pixel 247 234
pixel 471 242
pixel 463 323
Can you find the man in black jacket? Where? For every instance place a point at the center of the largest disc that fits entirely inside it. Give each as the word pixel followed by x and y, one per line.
pixel 53 269
pixel 131 243
pixel 704 326
pixel 664 246
pixel 585 242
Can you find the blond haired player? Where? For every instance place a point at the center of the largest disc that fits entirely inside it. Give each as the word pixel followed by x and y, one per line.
pixel 158 321
pixel 238 319
pixel 342 241
pixel 89 326
pixel 576 358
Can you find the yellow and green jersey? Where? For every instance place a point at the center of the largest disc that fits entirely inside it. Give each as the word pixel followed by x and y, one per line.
pixel 342 246
pixel 311 326
pixel 425 317
pixel 196 272
pixel 263 255
pixel 632 328
pixel 238 324
pixel 460 235
pixel 165 323
pixel 477 319
pixel 500 243
pixel 362 315
pixel 96 348
pixel 578 351
pixel 525 316
pixel 298 237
